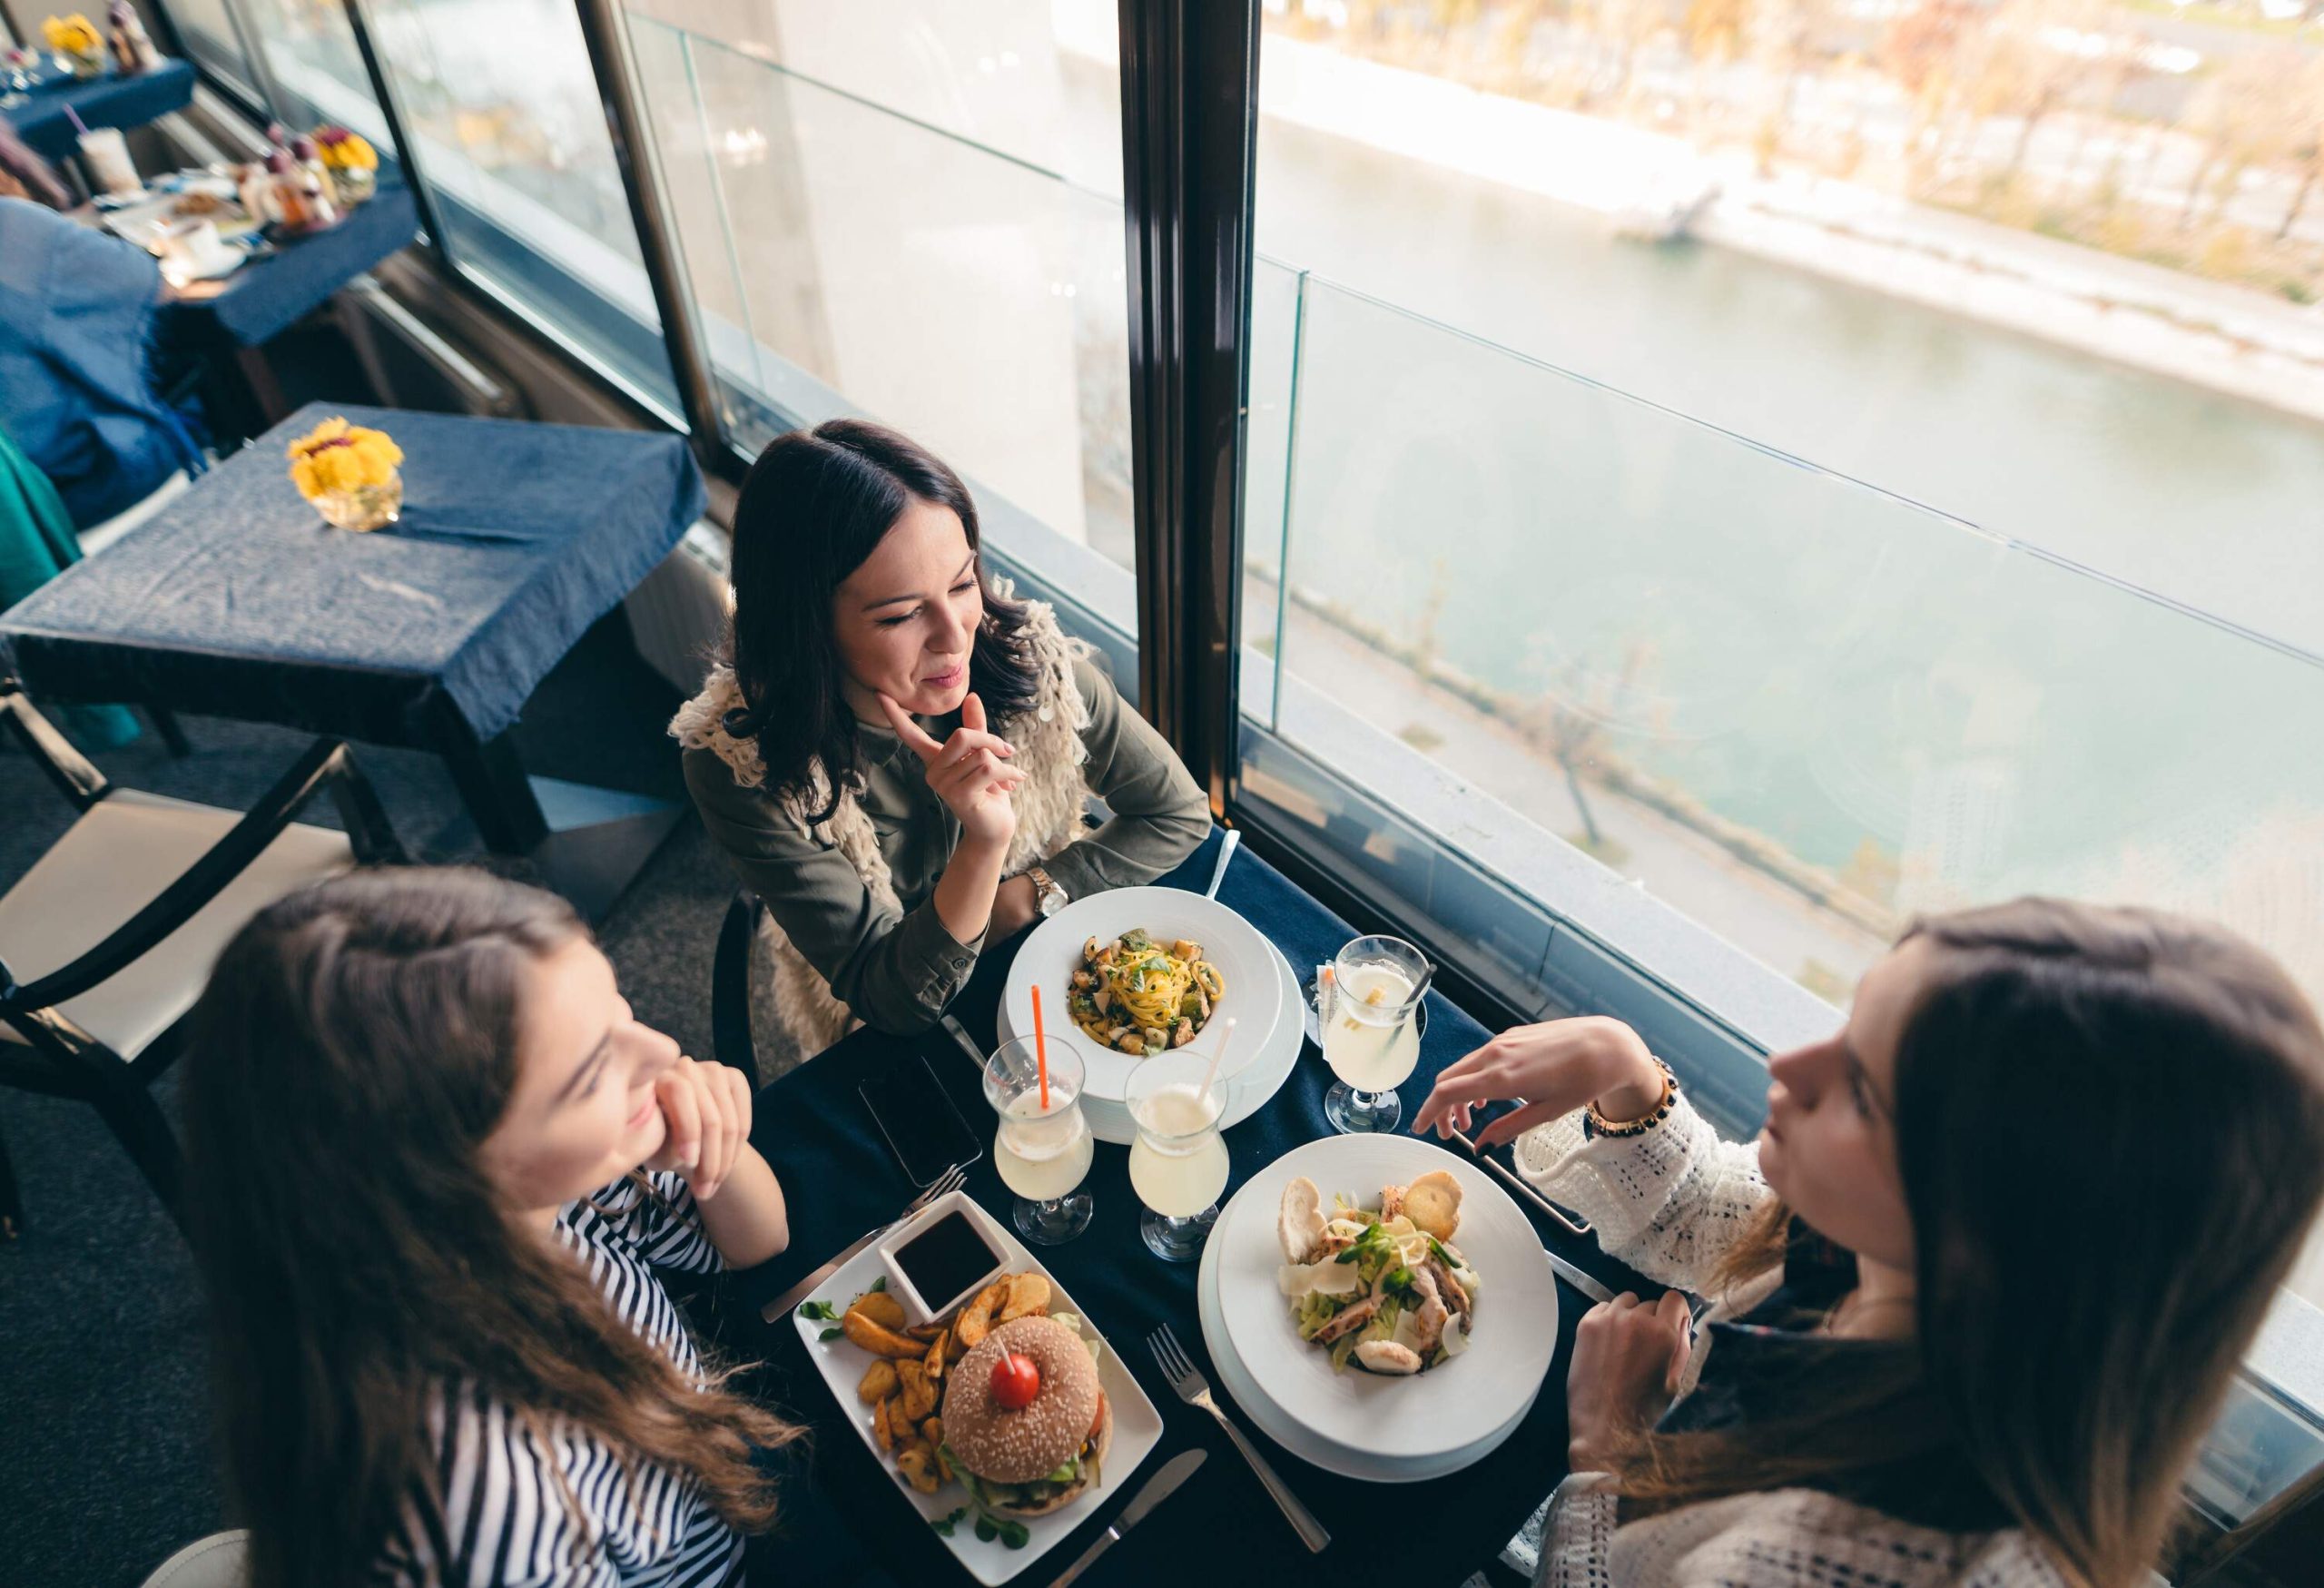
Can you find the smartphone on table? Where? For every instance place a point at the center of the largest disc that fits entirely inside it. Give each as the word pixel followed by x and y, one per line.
pixel 918 1119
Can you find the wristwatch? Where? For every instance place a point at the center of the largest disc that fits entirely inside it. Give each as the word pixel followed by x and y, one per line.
pixel 1048 897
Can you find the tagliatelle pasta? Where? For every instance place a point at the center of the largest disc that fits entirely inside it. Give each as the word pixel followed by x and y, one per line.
pixel 1134 995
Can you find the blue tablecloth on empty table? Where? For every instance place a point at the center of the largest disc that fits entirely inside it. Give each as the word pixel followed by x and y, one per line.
pixel 270 295
pixel 109 101
pixel 235 600
pixel 840 1179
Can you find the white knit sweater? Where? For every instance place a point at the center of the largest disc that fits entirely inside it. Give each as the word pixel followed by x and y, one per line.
pixel 1670 1203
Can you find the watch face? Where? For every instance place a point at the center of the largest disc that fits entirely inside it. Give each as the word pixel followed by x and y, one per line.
pixel 1052 900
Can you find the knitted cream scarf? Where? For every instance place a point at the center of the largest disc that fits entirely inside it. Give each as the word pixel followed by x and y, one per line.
pixel 1049 804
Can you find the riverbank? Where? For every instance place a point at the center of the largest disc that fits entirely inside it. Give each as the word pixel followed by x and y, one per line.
pixel 2222 337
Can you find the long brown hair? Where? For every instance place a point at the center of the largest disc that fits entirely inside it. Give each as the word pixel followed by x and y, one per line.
pixel 2110 1131
pixel 356 1045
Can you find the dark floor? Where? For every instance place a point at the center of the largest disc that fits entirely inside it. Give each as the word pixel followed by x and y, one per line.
pixel 105 1465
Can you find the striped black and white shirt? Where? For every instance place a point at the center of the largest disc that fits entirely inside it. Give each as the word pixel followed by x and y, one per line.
pixel 505 1522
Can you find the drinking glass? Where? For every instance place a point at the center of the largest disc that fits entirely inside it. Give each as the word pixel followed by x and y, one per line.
pixel 1178 1164
pixel 1370 1010
pixel 1042 1153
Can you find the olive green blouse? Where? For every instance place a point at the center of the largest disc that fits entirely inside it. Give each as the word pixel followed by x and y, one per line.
pixel 898 972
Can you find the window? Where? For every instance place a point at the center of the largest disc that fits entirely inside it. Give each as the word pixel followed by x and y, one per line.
pixel 508 135
pixel 215 44
pixel 315 67
pixel 1689 491
pixel 913 211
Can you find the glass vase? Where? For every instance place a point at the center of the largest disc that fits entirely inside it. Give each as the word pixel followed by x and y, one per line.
pixel 367 507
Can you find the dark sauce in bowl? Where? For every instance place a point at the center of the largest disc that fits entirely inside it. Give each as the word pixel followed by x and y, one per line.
pixel 946 1258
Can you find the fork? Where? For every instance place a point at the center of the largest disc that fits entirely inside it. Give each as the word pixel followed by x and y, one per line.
pixel 1188 1383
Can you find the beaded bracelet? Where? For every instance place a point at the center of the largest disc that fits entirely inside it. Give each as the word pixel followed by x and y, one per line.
pixel 1654 1116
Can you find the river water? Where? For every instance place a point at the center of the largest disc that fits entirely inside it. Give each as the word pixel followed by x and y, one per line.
pixel 1861 679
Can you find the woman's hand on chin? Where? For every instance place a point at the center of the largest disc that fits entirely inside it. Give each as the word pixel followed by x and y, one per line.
pixel 1628 1359
pixel 969 771
pixel 708 1110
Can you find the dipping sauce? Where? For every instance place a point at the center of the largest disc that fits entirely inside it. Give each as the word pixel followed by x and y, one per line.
pixel 947 1258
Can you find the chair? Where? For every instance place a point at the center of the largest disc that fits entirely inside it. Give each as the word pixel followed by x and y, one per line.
pixel 220 1561
pixel 100 963
pixel 730 987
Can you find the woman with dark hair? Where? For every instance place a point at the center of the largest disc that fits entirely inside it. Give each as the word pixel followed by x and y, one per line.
pixel 1982 1280
pixel 895 755
pixel 435 1164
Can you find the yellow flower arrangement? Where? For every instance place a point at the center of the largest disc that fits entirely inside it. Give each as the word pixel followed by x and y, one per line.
pixel 72 35
pixel 348 473
pixel 344 150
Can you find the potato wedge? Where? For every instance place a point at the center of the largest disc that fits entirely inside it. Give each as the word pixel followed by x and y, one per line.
pixel 934 1360
pixel 1028 1296
pixel 933 1431
pixel 917 1462
pixel 880 1307
pixel 881 1342
pixel 955 1348
pixel 879 1383
pixel 975 1321
pixel 883 1427
pixel 920 1393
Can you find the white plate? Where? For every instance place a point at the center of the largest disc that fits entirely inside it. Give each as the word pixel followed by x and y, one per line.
pixel 1243 957
pixel 1236 1381
pixel 1391 1427
pixel 1256 1079
pixel 1137 1427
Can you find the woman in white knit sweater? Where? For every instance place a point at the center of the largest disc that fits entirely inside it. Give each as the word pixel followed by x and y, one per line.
pixel 1982 1280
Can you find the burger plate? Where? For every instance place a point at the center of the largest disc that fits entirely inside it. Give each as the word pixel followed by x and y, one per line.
pixel 1137 1427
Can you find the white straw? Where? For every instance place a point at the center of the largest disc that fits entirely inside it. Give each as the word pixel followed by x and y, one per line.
pixel 1225 1033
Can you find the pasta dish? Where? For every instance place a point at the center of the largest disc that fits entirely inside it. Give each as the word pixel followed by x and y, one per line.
pixel 1135 995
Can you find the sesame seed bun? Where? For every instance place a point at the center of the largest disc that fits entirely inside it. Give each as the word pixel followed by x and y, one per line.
pixel 1007 1446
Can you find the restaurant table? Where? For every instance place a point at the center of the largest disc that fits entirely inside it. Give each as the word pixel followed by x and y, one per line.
pixel 42 119
pixel 238 314
pixel 236 600
pixel 840 1179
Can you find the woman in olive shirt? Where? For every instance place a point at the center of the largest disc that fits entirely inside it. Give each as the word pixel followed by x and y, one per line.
pixel 896 755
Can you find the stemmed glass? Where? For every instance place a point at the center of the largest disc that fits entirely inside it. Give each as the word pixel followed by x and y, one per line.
pixel 1178 1164
pixel 1042 1153
pixel 1370 1012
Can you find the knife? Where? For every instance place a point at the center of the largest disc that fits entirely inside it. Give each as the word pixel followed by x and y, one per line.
pixel 1158 1488
pixel 790 1299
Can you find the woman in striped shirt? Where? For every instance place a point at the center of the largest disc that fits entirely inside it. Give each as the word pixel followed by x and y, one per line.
pixel 435 1164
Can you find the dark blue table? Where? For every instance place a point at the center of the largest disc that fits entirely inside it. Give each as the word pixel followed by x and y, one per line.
pixel 233 318
pixel 840 1180
pixel 110 101
pixel 236 600
pixel 270 295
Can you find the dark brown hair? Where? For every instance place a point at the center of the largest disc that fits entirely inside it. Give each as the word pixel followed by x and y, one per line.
pixel 813 507
pixel 356 1045
pixel 2110 1131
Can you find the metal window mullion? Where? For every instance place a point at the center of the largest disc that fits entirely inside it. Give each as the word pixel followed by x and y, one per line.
pixel 254 60
pixel 607 42
pixel 391 111
pixel 1189 75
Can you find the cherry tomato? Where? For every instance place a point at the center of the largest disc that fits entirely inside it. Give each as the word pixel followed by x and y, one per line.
pixel 1015 1381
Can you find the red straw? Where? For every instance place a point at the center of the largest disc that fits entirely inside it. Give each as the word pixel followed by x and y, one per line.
pixel 1041 1048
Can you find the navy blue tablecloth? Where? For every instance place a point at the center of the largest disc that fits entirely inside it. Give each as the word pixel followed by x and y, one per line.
pixel 267 296
pixel 842 1180
pixel 110 101
pixel 235 600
